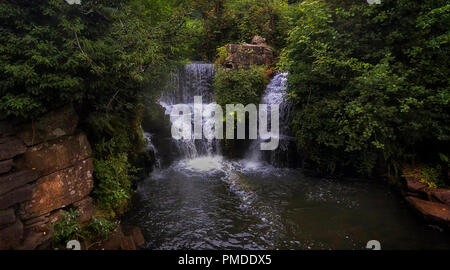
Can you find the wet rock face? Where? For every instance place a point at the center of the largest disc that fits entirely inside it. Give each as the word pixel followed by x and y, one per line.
pixel 45 166
pixel 257 53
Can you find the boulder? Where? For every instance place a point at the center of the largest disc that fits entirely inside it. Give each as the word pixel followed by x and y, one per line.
pixel 258 40
pixel 55 124
pixel 86 209
pixel 17 179
pixel 6 166
pixel 7 217
pixel 127 243
pixel 56 155
pixel 114 240
pixel 11 147
pixel 10 237
pixel 135 233
pixel 432 211
pixel 16 196
pixel 415 186
pixel 60 189
pixel 442 195
pixel 248 54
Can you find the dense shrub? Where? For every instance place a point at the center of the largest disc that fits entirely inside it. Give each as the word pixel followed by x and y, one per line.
pixel 370 83
pixel 114 176
pixel 242 86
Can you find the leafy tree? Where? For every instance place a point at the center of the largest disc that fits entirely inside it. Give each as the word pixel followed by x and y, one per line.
pixel 370 83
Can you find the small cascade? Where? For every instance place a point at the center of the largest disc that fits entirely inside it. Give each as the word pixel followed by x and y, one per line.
pixel 150 147
pixel 275 94
pixel 194 79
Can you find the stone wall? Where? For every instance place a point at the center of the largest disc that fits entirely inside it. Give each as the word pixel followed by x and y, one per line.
pixel 45 167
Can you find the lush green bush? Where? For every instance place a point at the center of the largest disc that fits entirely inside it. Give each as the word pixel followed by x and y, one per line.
pixel 69 228
pixel 242 86
pixel 370 82
pixel 114 176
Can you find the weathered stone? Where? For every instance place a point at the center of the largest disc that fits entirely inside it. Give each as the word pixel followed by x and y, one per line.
pixel 114 241
pixel 53 125
pixel 8 128
pixel 135 233
pixel 414 185
pixel 86 209
pixel 10 237
pixel 442 195
pixel 258 40
pixel 7 217
pixel 6 166
pixel 59 154
pixel 432 211
pixel 16 196
pixel 248 54
pixel 127 243
pixel 60 189
pixel 17 179
pixel 11 147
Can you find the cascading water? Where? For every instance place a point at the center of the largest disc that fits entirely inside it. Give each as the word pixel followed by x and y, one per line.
pixel 203 201
pixel 150 147
pixel 192 80
pixel 281 157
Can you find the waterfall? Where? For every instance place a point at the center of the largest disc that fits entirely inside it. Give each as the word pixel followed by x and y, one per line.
pixel 150 147
pixel 275 93
pixel 194 79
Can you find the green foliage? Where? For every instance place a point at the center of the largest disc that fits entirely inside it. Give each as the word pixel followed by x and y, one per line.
pixel 237 21
pixel 222 55
pixel 67 228
pixel 432 177
pixel 114 176
pixel 366 82
pixel 242 86
pixel 98 229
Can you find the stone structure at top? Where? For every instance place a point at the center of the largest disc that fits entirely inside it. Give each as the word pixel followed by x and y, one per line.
pixel 244 55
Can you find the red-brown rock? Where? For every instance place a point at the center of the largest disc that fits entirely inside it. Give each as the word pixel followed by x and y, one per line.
pixel 6 166
pixel 7 217
pixel 86 209
pixel 56 155
pixel 55 124
pixel 17 179
pixel 414 185
pixel 16 196
pixel 248 54
pixel 60 189
pixel 11 147
pixel 431 210
pixel 10 237
pixel 442 195
pixel 135 233
pixel 127 243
